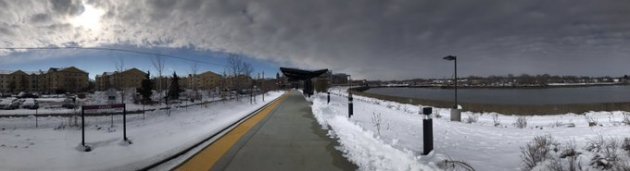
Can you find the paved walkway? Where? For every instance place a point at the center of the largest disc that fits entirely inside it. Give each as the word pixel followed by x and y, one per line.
pixel 288 138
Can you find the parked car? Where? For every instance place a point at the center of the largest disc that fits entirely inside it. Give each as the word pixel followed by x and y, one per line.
pixel 27 95
pixel 68 103
pixel 10 104
pixel 30 104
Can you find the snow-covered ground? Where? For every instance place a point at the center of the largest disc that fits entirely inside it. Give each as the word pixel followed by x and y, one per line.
pixel 52 104
pixel 385 135
pixel 53 146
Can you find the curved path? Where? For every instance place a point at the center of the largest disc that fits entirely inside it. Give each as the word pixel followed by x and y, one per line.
pixel 284 136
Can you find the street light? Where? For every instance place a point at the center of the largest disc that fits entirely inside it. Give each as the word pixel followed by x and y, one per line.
pixel 453 58
pixel 455 114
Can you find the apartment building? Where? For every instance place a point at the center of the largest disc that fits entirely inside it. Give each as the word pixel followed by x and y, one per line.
pixel 55 80
pixel 204 81
pixel 131 78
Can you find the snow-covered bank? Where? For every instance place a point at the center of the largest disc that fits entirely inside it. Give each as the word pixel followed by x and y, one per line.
pixel 363 147
pixel 480 143
pixel 154 138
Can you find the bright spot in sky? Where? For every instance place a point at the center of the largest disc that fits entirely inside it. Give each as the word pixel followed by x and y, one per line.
pixel 89 19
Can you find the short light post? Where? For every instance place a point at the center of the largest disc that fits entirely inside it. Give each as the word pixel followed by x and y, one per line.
pixel 427 130
pixel 350 108
pixel 455 113
pixel 328 102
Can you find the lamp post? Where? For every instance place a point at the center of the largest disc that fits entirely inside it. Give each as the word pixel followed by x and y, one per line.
pixel 455 114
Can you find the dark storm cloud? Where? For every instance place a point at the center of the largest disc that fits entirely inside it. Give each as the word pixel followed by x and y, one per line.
pixel 70 7
pixel 378 39
pixel 40 18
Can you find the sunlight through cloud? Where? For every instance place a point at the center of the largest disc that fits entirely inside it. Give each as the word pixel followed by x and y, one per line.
pixel 89 19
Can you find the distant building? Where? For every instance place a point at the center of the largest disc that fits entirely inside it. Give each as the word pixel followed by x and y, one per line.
pixel 131 78
pixel 55 80
pixel 17 81
pixel 339 78
pixel 70 79
pixel 204 81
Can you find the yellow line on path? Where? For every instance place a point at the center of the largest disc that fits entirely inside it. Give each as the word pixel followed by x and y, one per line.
pixel 205 159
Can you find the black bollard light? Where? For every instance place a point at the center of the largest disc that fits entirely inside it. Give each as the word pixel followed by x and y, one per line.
pixel 427 128
pixel 328 98
pixel 350 105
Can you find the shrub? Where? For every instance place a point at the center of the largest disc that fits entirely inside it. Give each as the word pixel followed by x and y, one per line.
pixel 449 165
pixel 605 153
pixel 544 153
pixel 591 122
pixel 377 121
pixel 472 118
pixel 521 122
pixel 537 151
pixel 626 118
pixel 571 154
pixel 626 145
pixel 495 119
pixel 437 115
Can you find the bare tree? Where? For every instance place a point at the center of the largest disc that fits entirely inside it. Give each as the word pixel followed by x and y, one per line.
pixel 120 67
pixel 158 63
pixel 247 69
pixel 193 76
pixel 238 69
pixel 234 65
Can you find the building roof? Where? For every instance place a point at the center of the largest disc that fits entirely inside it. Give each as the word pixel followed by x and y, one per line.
pixel 299 74
pixel 72 69
pixel 135 70
pixel 19 71
pixel 128 70
pixel 209 73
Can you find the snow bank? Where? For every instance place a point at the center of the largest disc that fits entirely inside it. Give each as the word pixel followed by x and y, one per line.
pixel 361 146
pixel 481 144
pixel 368 152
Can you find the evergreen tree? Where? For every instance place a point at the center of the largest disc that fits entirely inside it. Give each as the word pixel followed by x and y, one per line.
pixel 146 89
pixel 174 90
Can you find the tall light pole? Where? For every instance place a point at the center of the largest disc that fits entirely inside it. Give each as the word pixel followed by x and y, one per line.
pixel 453 58
pixel 455 115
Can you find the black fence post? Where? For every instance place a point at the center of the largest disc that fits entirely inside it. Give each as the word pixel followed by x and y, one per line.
pixel 83 127
pixel 125 124
pixel 427 128
pixel 36 124
pixel 85 147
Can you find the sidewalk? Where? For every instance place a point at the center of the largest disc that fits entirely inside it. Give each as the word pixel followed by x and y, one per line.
pixel 289 138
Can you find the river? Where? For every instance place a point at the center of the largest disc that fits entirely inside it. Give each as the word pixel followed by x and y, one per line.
pixel 516 96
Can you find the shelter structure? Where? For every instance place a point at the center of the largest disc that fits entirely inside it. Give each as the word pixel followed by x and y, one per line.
pixel 296 75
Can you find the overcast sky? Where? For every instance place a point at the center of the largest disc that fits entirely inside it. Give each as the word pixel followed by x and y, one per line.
pixel 373 39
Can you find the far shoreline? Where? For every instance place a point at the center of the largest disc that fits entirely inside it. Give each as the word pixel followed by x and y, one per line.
pixel 552 109
pixel 503 87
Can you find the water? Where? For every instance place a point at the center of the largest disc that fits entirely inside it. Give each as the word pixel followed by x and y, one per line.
pixel 516 96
